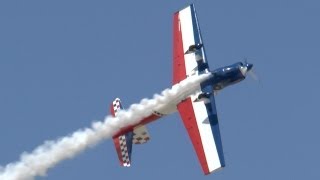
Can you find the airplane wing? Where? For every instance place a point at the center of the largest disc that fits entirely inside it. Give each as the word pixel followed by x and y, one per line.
pixel 188 50
pixel 199 116
pixel 198 112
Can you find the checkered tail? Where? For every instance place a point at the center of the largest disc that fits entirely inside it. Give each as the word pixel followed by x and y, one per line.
pixel 123 143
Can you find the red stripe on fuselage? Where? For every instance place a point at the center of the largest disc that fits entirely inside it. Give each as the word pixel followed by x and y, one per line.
pixel 144 121
pixel 189 120
pixel 127 129
pixel 179 69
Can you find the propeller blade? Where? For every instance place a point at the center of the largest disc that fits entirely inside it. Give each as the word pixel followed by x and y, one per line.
pixel 245 59
pixel 254 75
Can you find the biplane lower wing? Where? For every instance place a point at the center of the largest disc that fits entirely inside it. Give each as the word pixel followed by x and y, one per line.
pixel 200 119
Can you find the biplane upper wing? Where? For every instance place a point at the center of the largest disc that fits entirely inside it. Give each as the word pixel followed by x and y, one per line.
pixel 188 50
pixel 198 112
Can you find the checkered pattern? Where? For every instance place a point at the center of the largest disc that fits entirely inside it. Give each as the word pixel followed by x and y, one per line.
pixel 122 139
pixel 140 135
pixel 116 106
pixel 124 151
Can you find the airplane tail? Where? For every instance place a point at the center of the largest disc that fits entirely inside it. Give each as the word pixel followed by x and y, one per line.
pixel 123 143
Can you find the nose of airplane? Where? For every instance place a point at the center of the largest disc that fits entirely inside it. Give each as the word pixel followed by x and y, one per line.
pixel 249 66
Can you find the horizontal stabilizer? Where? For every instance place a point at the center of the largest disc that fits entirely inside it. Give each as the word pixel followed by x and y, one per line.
pixel 123 143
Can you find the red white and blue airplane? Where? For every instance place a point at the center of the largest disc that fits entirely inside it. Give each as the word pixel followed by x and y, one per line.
pixel 198 111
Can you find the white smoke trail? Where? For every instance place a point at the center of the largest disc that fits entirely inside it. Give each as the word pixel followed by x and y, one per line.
pixel 51 153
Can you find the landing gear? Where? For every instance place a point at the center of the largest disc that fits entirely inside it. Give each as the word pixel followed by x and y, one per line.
pixel 205 96
pixel 194 48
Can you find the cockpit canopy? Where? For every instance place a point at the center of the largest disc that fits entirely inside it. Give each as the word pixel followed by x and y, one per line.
pixel 228 69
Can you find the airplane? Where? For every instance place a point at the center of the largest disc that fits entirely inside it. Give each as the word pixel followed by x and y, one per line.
pixel 198 111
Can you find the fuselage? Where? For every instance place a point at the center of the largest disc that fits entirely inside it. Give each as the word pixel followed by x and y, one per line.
pixel 226 76
pixel 219 79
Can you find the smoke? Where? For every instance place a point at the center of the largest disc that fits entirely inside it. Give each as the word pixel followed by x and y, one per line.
pixel 51 153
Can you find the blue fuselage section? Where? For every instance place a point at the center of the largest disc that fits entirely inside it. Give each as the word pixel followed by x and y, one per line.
pixel 225 76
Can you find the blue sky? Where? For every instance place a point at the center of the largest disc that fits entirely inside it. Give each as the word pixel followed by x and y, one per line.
pixel 63 62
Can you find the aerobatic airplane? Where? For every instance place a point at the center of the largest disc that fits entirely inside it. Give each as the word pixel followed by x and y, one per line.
pixel 198 111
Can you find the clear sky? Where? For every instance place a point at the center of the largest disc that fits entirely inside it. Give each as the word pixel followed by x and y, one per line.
pixel 62 62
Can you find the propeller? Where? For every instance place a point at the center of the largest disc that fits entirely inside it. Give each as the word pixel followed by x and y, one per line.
pixel 245 59
pixel 254 75
pixel 250 70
